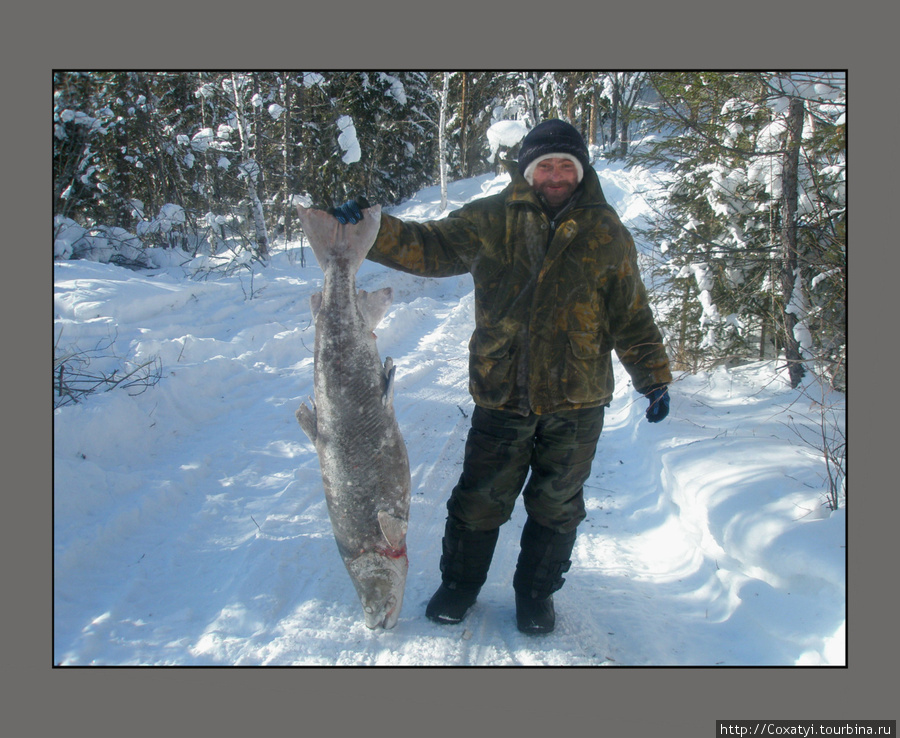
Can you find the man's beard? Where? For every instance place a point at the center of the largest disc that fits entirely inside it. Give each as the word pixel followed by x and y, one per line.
pixel 556 197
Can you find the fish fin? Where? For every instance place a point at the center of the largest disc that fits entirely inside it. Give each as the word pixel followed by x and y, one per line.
pixel 374 305
pixel 307 420
pixel 315 302
pixel 393 529
pixel 389 371
pixel 330 239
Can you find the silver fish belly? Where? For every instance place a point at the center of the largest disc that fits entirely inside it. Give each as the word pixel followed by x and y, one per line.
pixel 363 459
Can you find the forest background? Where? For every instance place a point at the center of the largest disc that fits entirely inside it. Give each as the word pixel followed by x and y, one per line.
pixel 749 247
pixel 746 254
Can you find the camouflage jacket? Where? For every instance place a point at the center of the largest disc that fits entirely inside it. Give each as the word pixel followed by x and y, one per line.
pixel 552 299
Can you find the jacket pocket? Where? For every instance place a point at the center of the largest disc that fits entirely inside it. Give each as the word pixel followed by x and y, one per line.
pixel 492 366
pixel 588 367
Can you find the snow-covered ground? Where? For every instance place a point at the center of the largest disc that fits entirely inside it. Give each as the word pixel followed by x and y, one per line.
pixel 190 526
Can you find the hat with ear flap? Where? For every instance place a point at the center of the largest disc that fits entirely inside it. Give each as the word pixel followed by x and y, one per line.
pixel 552 138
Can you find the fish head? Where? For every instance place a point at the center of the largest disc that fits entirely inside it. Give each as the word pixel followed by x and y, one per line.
pixel 380 578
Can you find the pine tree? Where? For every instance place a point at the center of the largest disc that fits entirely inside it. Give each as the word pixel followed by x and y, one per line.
pixel 735 202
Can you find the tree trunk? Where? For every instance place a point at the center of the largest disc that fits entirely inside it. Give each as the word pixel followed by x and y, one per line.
pixel 76 149
pixel 762 338
pixel 595 115
pixel 790 260
pixel 442 140
pixel 614 115
pixel 286 204
pixel 529 83
pixel 683 329
pixel 464 126
pixel 251 171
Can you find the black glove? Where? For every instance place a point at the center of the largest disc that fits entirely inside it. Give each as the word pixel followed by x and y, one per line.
pixel 350 211
pixel 658 395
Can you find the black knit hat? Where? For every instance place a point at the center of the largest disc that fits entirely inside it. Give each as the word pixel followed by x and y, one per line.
pixel 552 137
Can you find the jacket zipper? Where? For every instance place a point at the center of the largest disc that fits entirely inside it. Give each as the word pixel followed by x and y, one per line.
pixel 553 223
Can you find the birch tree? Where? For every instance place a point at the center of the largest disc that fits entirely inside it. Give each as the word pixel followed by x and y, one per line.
pixel 287 100
pixel 250 172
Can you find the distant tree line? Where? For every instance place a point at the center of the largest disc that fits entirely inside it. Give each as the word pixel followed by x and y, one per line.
pixel 127 143
pixel 232 147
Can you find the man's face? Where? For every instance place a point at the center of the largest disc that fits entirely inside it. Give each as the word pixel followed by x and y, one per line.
pixel 555 179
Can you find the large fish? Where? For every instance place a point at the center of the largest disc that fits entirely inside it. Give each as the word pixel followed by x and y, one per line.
pixel 364 463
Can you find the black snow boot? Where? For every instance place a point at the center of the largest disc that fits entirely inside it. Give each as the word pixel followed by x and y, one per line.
pixel 535 616
pixel 464 566
pixel 544 558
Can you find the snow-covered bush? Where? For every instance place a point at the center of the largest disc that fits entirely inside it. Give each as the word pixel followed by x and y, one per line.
pixel 105 244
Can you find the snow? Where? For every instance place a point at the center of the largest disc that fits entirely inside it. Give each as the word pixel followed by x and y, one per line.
pixel 190 526
pixel 505 133
pixel 347 140
pixel 202 139
pixel 395 90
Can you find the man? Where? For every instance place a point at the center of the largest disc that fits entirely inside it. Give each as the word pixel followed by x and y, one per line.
pixel 557 289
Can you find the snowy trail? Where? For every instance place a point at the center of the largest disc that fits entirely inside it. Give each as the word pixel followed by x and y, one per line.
pixel 190 525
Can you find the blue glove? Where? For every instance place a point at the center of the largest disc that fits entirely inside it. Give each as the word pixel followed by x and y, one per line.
pixel 658 395
pixel 350 211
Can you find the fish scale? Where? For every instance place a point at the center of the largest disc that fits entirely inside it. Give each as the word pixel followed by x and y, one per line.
pixel 362 456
